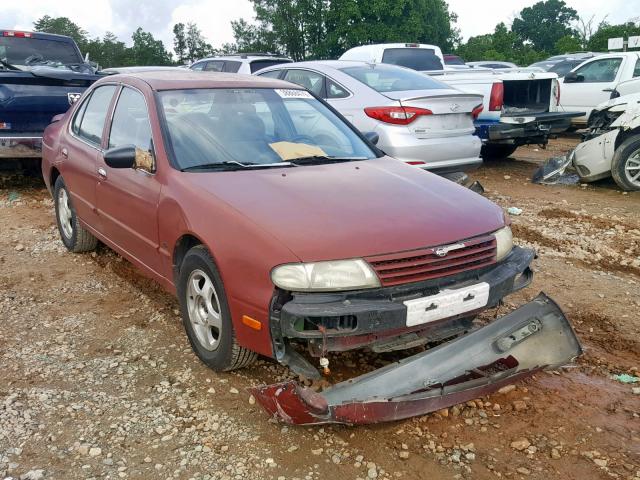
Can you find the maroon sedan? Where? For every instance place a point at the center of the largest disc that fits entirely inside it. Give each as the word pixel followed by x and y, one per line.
pixel 285 232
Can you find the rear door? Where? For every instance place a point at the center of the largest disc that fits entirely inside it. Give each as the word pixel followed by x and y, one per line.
pixel 127 198
pixel 600 75
pixel 80 150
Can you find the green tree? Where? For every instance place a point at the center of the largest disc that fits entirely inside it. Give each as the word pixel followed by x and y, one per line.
pixel 197 46
pixel 598 41
pixel 180 42
pixel 61 26
pixel 147 50
pixel 502 44
pixel 567 44
pixel 326 28
pixel 544 23
pixel 357 22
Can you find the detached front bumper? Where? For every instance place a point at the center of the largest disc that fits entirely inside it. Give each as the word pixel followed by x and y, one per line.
pixel 524 129
pixel 378 318
pixel 20 147
pixel 531 338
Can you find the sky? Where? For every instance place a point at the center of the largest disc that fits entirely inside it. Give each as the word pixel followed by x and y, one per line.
pixel 213 17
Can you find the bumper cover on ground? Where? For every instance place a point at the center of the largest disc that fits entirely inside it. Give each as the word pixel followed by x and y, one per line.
pixel 531 338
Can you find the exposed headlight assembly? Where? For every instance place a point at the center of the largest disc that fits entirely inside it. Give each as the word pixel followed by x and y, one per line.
pixel 504 242
pixel 329 276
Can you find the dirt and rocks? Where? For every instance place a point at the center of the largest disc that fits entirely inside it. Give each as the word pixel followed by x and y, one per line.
pixel 97 379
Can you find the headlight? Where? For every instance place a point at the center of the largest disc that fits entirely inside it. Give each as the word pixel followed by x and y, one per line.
pixel 504 242
pixel 325 276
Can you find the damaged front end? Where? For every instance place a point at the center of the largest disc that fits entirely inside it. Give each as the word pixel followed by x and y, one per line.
pixel 533 337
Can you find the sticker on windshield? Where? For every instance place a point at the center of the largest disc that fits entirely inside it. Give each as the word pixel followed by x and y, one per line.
pixel 291 93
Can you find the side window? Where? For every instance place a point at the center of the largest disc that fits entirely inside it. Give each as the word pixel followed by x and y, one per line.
pixel 335 91
pixel 92 122
pixel 214 66
pixel 600 71
pixel 75 126
pixel 231 66
pixel 636 69
pixel 131 126
pixel 198 66
pixel 271 74
pixel 310 80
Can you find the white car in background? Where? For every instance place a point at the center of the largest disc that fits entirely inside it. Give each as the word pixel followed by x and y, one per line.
pixel 246 63
pixel 417 119
pixel 593 81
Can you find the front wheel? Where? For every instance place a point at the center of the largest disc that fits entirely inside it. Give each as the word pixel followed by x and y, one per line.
pixel 497 151
pixel 205 314
pixel 625 167
pixel 74 236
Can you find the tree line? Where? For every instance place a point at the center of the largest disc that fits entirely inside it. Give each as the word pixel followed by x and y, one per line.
pixel 319 29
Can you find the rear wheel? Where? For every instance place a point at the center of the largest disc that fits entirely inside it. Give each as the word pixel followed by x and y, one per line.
pixel 497 151
pixel 74 236
pixel 625 167
pixel 205 313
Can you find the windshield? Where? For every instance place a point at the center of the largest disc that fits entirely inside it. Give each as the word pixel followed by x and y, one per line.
pixel 29 51
pixel 392 79
pixel 413 58
pixel 562 68
pixel 241 127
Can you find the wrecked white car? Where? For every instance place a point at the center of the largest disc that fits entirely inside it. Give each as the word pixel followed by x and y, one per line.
pixel 611 146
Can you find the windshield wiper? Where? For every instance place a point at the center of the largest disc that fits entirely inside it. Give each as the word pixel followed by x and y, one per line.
pixel 8 66
pixel 319 159
pixel 234 165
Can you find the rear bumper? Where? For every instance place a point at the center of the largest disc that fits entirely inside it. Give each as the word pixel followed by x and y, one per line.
pixel 440 154
pixel 378 318
pixel 20 147
pixel 529 339
pixel 524 130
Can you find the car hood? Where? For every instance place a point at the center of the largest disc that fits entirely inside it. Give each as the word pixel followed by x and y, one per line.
pixel 353 209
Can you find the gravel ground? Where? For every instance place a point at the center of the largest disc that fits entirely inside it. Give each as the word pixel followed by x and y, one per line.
pixel 98 380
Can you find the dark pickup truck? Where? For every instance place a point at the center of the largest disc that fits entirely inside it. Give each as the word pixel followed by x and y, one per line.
pixel 41 75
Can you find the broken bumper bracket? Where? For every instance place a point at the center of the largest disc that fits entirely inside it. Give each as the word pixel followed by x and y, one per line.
pixel 533 337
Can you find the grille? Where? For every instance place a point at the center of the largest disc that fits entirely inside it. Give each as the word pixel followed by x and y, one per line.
pixel 425 264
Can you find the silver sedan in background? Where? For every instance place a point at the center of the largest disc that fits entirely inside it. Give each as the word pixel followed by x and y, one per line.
pixel 418 120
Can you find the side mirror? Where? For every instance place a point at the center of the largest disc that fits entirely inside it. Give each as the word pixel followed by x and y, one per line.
pixel 573 77
pixel 373 137
pixel 57 118
pixel 121 157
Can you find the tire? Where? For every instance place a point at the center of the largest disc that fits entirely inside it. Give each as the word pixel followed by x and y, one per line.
pixel 206 316
pixel 626 164
pixel 496 151
pixel 74 236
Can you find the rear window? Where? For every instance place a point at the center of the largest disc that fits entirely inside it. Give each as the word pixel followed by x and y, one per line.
pixel 390 79
pixel 453 60
pixel 260 64
pixel 414 58
pixel 35 51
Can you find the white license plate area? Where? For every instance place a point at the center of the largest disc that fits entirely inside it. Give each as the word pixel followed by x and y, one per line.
pixel 447 303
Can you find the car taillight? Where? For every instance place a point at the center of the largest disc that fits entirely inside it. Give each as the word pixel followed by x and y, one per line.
pixel 497 96
pixel 396 115
pixel 16 34
pixel 477 111
pixel 557 91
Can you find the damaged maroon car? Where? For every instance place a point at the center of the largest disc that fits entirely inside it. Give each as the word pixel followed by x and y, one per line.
pixel 285 232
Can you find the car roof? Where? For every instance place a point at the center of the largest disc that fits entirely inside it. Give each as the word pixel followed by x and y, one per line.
pixel 332 64
pixel 188 79
pixel 249 57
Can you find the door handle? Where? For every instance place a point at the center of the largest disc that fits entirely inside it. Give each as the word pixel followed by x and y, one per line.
pixel 64 153
pixel 102 172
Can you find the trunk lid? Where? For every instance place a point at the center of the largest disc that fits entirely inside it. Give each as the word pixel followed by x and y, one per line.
pixel 451 111
pixel 30 99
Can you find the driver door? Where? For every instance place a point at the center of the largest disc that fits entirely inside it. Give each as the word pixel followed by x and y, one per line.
pixel 127 198
pixel 599 74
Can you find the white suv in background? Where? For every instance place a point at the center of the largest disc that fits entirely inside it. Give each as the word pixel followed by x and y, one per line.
pixel 246 63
